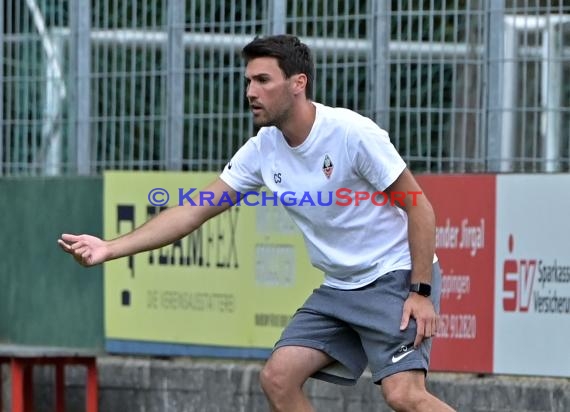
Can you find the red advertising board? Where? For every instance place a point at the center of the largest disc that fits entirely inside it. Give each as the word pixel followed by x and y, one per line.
pixel 465 244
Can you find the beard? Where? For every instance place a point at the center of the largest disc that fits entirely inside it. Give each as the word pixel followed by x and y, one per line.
pixel 266 119
pixel 259 121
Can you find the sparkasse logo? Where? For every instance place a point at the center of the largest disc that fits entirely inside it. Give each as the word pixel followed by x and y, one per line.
pixel 518 279
pixel 520 276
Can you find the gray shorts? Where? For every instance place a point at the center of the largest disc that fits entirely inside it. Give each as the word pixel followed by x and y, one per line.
pixel 361 327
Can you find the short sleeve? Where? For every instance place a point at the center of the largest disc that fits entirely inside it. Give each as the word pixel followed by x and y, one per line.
pixel 243 171
pixel 373 155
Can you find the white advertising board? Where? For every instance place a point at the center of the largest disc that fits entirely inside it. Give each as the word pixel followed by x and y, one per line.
pixel 532 275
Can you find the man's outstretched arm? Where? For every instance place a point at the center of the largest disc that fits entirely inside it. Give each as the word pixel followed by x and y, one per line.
pixel 164 229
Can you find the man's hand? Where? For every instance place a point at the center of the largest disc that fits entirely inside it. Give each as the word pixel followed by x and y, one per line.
pixel 87 250
pixel 421 309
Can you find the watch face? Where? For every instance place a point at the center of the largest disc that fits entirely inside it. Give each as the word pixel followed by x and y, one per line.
pixel 423 289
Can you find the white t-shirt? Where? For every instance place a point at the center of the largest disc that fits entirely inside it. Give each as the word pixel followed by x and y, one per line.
pixel 343 154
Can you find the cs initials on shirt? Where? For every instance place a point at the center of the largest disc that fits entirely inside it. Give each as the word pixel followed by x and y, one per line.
pixel 277 177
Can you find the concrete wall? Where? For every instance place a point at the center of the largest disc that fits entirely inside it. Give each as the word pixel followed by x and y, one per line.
pixel 185 385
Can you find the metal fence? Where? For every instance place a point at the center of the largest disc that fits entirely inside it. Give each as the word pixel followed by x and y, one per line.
pixel 462 86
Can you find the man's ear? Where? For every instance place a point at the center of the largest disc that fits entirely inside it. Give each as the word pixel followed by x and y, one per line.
pixel 299 82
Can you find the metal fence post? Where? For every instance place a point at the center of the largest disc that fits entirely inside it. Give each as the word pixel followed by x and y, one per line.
pixel 174 143
pixel 494 101
pixel 380 63
pixel 278 17
pixel 80 98
pixel 551 85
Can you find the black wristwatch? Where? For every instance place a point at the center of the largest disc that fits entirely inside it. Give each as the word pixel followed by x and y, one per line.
pixel 423 289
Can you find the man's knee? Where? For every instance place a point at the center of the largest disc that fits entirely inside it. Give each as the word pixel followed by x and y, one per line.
pixel 276 380
pixel 403 399
pixel 270 379
pixel 405 391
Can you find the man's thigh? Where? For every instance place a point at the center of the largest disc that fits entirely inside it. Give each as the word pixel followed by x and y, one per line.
pixel 296 363
pixel 315 326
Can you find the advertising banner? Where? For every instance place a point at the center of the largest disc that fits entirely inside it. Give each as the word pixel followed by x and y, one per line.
pixel 233 283
pixel 465 245
pixel 229 288
pixel 532 282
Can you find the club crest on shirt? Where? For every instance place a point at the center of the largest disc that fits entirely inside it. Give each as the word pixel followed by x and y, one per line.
pixel 327 166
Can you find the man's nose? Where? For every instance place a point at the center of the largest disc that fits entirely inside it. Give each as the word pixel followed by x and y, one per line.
pixel 250 92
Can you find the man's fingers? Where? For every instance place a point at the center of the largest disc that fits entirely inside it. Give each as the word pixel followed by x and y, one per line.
pixel 419 337
pixel 434 327
pixel 64 246
pixel 79 245
pixel 70 242
pixel 80 251
pixel 69 238
pixel 427 328
pixel 422 331
pixel 405 318
pixel 85 249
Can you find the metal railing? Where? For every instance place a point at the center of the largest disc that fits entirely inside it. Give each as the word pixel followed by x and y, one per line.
pixel 481 86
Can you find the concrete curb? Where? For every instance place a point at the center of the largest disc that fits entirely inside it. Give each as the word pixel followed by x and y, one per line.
pixel 190 385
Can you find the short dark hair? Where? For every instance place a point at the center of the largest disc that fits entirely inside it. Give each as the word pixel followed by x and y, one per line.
pixel 293 56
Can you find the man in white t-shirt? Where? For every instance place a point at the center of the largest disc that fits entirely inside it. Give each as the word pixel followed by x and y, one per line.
pixel 365 221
